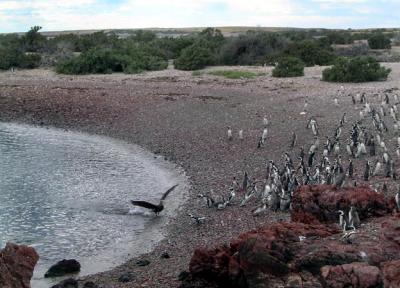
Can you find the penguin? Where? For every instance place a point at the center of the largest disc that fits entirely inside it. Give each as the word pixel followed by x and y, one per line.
pixel 343 120
pixel 311 159
pixel 397 199
pixel 342 220
pixel 265 120
pixel 372 148
pixel 229 133
pixel 363 98
pixel 305 106
pixel 366 171
pixel 241 134
pixel 235 184
pixel 198 220
pixel 340 180
pixel 384 188
pixel 245 182
pixel 377 168
pixel 353 99
pixel 335 100
pixel 354 220
pixel 258 211
pixel 259 143
pixel 264 135
pixel 294 140
pixel 350 169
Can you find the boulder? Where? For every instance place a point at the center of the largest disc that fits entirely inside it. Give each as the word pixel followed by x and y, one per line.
pixel 356 275
pixel 16 265
pixel 63 267
pixel 391 273
pixel 321 203
pixel 126 277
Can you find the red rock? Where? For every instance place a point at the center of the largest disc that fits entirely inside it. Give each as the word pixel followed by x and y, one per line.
pixel 391 273
pixel 356 275
pixel 322 202
pixel 16 266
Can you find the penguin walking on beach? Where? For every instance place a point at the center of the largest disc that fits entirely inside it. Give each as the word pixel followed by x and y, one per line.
pixel 367 170
pixel 294 140
pixel 264 135
pixel 230 136
pixel 241 134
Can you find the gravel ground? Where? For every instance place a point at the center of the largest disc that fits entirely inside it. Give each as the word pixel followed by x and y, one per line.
pixel 185 119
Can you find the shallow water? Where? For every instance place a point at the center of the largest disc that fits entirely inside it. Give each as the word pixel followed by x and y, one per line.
pixel 67 195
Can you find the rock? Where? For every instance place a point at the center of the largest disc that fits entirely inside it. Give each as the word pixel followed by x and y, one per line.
pixel 357 275
pixel 263 251
pixel 63 267
pixel 126 277
pixel 321 203
pixel 67 283
pixel 16 265
pixel 183 275
pixel 142 263
pixel 165 255
pixel 90 284
pixel 391 273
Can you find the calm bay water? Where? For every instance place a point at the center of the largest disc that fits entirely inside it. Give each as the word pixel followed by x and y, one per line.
pixel 67 195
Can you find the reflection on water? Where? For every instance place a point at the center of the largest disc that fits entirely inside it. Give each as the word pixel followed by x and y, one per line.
pixel 67 194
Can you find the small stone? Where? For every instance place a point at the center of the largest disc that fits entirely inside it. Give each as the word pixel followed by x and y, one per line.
pixel 165 255
pixel 142 263
pixel 90 284
pixel 126 277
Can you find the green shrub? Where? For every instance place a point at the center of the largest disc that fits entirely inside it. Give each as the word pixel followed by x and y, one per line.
pixel 360 69
pixel 289 67
pixel 379 41
pixel 129 59
pixel 194 57
pixel 311 52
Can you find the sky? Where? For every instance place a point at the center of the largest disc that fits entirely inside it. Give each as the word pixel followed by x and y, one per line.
pixel 56 15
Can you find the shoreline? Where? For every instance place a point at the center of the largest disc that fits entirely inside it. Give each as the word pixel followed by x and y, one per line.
pixel 150 236
pixel 184 119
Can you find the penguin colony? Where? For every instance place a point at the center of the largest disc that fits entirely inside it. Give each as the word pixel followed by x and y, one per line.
pixel 328 159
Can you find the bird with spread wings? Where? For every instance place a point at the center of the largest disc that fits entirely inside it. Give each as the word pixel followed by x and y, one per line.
pixel 155 208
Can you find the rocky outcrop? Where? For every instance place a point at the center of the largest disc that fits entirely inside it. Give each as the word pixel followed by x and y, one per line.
pixel 63 267
pixel 391 273
pixel 16 265
pixel 322 202
pixel 311 254
pixel 360 275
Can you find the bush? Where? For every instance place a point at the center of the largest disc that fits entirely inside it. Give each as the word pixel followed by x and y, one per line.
pixel 252 48
pixel 194 57
pixel 311 52
pixel 379 41
pixel 129 59
pixel 289 67
pixel 359 69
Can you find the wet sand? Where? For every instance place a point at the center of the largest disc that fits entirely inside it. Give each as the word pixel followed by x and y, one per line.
pixel 184 118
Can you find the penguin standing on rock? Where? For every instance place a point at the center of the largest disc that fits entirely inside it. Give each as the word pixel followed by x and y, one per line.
pixel 354 220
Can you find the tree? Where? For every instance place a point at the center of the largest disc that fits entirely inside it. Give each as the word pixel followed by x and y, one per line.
pixel 33 41
pixel 379 41
pixel 289 67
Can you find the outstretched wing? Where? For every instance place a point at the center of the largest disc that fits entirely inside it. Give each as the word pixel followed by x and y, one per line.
pixel 144 204
pixel 168 191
